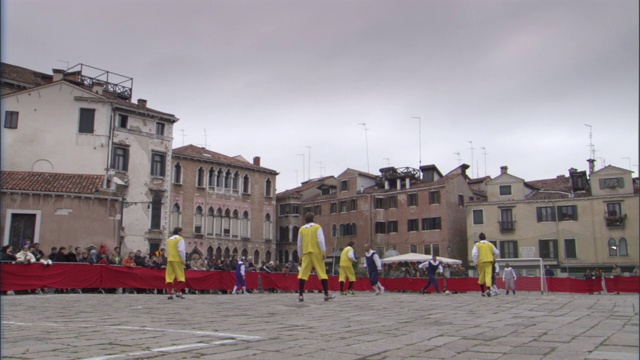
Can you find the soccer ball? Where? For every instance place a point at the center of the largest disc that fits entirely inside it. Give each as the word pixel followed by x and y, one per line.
pixel 447 292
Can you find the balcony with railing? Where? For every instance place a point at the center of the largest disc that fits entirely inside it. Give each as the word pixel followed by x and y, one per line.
pixel 507 225
pixel 614 221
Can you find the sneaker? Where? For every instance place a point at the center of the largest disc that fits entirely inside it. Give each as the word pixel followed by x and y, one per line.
pixel 329 297
pixel 382 291
pixel 300 298
pixel 344 293
pixel 352 292
pixel 179 296
pixel 377 292
pixel 488 293
pixel 234 293
pixel 170 297
pixel 483 294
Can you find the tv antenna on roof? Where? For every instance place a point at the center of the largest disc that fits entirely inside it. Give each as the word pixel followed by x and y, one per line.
pixel 66 62
pixel 458 153
pixel 592 148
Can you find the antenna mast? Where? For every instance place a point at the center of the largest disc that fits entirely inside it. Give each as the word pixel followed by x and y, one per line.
pixel 592 148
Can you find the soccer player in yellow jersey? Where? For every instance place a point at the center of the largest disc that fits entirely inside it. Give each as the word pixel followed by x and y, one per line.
pixel 484 254
pixel 176 259
pixel 347 258
pixel 312 247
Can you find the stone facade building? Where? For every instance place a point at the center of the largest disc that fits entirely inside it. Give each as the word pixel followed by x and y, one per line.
pixel 225 205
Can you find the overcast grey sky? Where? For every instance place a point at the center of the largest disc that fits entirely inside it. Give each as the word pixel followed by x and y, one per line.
pixel 280 78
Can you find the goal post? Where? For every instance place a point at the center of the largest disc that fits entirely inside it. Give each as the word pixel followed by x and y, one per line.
pixel 530 273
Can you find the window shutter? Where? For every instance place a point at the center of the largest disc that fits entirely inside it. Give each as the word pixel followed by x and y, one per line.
pixel 621 182
pixel 601 181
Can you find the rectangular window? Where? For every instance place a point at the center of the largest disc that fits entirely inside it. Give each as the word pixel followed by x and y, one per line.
pixel 11 119
pixel 120 158
pixel 548 249
pixel 160 128
pixel 344 206
pixel 570 249
pixel 317 210
pixel 353 205
pixel 426 249
pixel 333 208
pixel 460 200
pixel 509 249
pixel 478 217
pixel 614 209
pixel 308 209
pixel 611 183
pixel 344 185
pixel 546 213
pixel 413 249
pixel 413 225
pixel 506 220
pixel 157 164
pixel 379 203
pixel 393 202
pixel 123 121
pixel 567 213
pixel 505 190
pixel 87 120
pixel 412 200
pixel 392 226
pixel 381 227
pixel 435 249
pixel 434 223
pixel 434 197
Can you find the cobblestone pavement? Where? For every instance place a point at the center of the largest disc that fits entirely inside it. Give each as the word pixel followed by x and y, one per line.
pixel 361 326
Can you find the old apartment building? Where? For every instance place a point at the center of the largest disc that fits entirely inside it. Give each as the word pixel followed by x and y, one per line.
pixel 82 123
pixel 573 222
pixel 401 210
pixel 226 205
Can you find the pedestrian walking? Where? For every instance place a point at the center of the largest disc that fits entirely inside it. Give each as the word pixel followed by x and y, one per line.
pixel 374 268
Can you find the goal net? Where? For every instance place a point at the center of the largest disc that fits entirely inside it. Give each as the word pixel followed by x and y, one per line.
pixel 529 272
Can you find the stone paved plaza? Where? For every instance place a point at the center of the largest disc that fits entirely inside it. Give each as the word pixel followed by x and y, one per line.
pixel 362 326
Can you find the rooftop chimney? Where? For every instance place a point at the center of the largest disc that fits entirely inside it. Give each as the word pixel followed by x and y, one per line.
pixel 592 166
pixel 58 74
pixel 256 160
pixel 97 87
pixel 504 170
pixel 142 103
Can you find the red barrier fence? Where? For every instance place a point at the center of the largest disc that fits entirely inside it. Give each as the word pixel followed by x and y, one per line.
pixel 84 276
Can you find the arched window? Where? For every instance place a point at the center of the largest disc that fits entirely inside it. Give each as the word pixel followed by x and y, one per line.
pixel 210 221
pixel 200 177
pixel 175 216
pixel 244 252
pixel 267 188
pixel 613 247
pixel 219 179
pixel 212 177
pixel 156 211
pixel 218 223
pixel 245 185
pixel 234 184
pixel 267 227
pixel 294 234
pixel 256 257
pixel 177 173
pixel 226 223
pixel 244 226
pixel 227 180
pixel 267 256
pixel 334 230
pixel 341 232
pixel 353 229
pixel 623 250
pixel 294 256
pixel 197 228
pixel 286 256
pixel 235 226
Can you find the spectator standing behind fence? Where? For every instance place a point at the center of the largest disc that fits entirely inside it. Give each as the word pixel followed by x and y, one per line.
pixel 197 263
pixel 176 260
pixel 432 267
pixel 7 254
pixel 509 277
pixel 374 268
pixel 484 254
pixel 347 258
pixel 39 254
pixel 128 260
pixel 616 271
pixel 24 256
pixel 548 272
pixel 312 247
